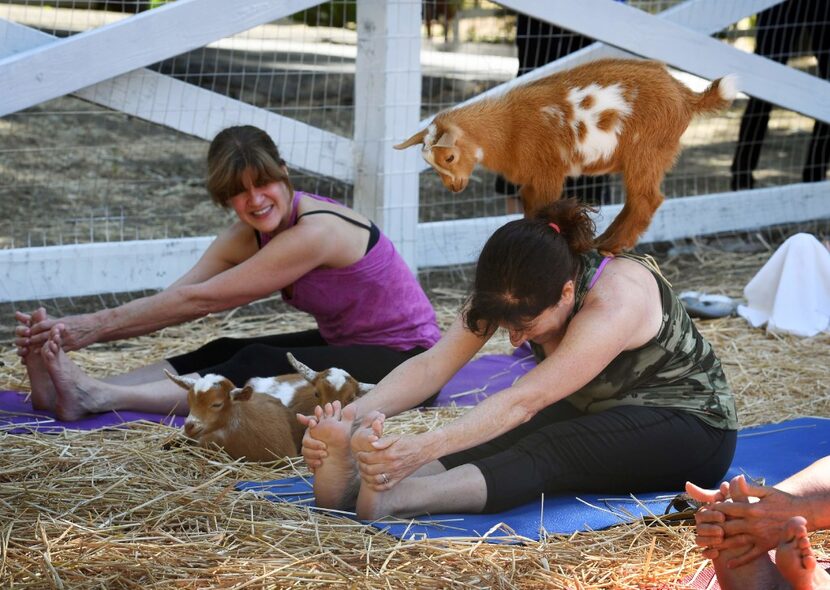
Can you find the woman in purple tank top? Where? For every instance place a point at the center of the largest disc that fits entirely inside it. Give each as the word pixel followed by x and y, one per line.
pixel 327 260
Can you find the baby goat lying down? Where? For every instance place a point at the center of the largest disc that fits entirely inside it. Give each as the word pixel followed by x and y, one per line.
pixel 258 421
pixel 611 115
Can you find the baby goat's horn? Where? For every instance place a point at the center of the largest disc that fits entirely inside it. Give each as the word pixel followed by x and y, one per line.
pixel 414 140
pixel 183 382
pixel 307 373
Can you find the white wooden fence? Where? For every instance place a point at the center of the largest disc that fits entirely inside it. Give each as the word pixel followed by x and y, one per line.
pixel 104 65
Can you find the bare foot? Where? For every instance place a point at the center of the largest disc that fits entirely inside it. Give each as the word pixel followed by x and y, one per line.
pixel 74 390
pixel 335 481
pixel 371 504
pixel 795 560
pixel 758 574
pixel 43 391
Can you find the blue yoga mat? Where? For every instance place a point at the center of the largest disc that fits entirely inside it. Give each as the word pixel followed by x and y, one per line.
pixel 773 452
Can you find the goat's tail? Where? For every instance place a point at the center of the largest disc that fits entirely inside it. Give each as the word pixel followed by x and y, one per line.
pixel 717 96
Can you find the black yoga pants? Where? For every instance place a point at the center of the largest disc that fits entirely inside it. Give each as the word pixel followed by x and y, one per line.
pixel 622 450
pixel 239 359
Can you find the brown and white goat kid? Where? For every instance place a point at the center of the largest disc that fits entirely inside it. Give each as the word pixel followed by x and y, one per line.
pixel 304 391
pixel 610 115
pixel 246 424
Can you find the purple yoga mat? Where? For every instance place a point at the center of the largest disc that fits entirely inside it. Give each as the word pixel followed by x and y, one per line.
pixel 485 376
pixel 18 416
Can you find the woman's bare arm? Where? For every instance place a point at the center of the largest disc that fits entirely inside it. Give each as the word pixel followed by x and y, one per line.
pixel 230 273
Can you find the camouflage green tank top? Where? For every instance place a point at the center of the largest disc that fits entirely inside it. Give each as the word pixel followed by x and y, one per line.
pixel 676 369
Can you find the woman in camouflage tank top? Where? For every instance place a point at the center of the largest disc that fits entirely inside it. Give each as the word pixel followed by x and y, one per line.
pixel 629 397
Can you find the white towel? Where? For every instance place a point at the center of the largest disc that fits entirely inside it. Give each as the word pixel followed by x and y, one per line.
pixel 791 292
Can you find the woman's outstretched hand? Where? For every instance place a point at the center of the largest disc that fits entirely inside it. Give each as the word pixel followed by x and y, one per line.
pixel 741 514
pixel 78 331
pixel 758 525
pixel 384 461
pixel 709 533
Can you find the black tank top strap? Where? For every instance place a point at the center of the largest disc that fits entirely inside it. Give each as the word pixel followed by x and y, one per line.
pixel 340 215
pixel 374 231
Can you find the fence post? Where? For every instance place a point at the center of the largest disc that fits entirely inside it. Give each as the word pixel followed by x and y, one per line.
pixel 387 111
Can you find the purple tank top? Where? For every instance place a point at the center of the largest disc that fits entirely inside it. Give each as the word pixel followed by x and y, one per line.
pixel 375 301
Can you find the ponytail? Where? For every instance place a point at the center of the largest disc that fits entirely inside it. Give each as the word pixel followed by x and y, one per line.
pixel 573 221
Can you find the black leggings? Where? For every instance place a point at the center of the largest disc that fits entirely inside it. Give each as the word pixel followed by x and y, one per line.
pixel 622 450
pixel 239 359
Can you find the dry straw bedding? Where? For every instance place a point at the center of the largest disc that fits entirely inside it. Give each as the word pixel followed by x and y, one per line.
pixel 137 507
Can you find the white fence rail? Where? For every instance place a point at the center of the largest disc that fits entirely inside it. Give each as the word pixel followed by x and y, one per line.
pixel 105 65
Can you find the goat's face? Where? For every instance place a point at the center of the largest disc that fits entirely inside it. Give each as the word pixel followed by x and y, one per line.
pixel 446 150
pixel 332 384
pixel 210 399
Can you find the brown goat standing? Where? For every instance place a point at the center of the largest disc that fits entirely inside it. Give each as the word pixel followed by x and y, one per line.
pixel 611 115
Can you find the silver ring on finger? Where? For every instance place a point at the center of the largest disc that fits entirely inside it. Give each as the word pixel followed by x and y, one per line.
pixel 384 478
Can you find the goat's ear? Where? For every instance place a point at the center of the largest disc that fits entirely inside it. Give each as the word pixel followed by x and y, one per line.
pixel 414 140
pixel 183 382
pixel 307 372
pixel 364 387
pixel 241 395
pixel 447 140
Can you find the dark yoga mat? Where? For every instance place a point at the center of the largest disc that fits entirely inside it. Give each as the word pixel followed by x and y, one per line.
pixel 773 452
pixel 18 416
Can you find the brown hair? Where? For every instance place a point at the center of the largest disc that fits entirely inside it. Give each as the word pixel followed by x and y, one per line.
pixel 236 150
pixel 525 264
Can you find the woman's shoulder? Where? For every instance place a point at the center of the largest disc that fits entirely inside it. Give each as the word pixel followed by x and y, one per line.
pixel 623 281
pixel 311 201
pixel 308 203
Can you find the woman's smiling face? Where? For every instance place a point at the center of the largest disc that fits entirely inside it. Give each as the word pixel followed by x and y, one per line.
pixel 265 208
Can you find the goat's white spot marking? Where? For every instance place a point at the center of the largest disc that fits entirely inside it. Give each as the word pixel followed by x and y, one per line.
pixel 479 154
pixel 337 377
pixel 598 145
pixel 205 382
pixel 555 112
pixel 282 390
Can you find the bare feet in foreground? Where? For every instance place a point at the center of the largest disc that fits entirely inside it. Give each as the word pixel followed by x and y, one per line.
pixel 74 397
pixel 795 560
pixel 371 504
pixel 335 481
pixel 43 391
